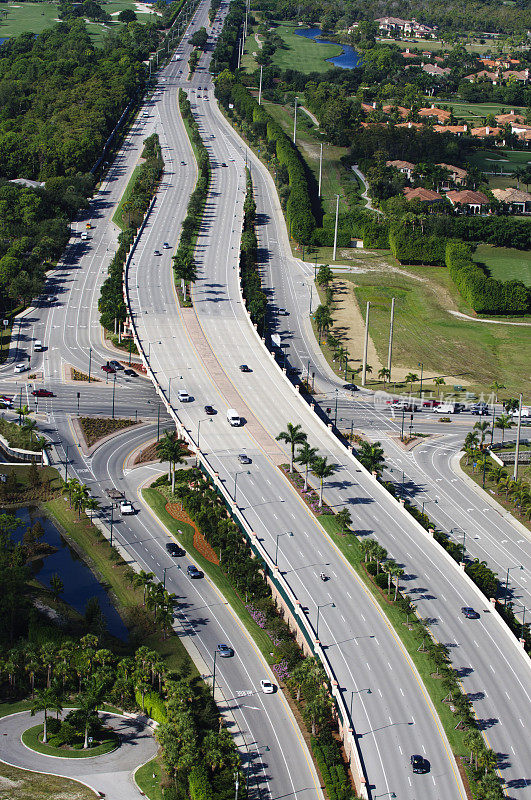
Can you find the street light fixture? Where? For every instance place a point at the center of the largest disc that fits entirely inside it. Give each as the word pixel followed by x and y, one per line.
pixel 285 533
pixel 516 566
pixel 214 674
pixel 242 472
pixel 206 419
pixel 319 607
pixel 421 365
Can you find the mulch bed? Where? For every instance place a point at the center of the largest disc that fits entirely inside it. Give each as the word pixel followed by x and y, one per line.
pixel 311 497
pixel 95 428
pixel 147 455
pixel 201 545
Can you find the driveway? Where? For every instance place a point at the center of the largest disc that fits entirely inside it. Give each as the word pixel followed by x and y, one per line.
pixel 111 774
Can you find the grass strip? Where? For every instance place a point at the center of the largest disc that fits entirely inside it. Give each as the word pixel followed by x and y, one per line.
pixel 117 216
pixel 184 534
pixel 410 635
pixel 30 738
pixel 21 784
pixel 148 779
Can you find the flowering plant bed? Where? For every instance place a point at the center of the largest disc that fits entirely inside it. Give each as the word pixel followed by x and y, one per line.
pixel 310 496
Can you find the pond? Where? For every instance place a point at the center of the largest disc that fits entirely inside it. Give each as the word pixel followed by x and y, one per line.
pixel 80 583
pixel 348 59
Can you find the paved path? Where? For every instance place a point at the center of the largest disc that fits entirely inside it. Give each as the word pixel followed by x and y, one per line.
pixel 365 193
pixel 489 321
pixel 111 773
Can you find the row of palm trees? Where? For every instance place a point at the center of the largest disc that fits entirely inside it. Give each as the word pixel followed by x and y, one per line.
pixel 307 456
pixel 79 497
pixel 373 551
pixel 157 599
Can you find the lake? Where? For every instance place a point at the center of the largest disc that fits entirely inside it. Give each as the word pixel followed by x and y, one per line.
pixel 80 583
pixel 348 59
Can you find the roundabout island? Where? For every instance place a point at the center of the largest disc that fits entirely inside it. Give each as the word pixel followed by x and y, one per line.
pixel 117 747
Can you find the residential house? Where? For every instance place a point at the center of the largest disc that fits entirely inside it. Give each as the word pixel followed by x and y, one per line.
pixel 520 130
pixel 457 130
pixel 516 200
pixel 485 131
pixel 441 114
pixel 514 75
pixel 435 70
pixel 393 26
pixel 368 107
pixel 457 175
pixel 405 167
pixel 512 116
pixel 423 195
pixel 404 112
pixel 469 201
pixel 416 125
pixel 483 75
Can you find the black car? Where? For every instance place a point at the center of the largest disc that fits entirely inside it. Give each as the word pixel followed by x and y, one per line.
pixel 351 387
pixel 115 364
pixel 210 410
pixel 174 549
pixel 245 368
pixel 193 572
pixel 130 372
pixel 469 613
pixel 223 164
pixel 418 764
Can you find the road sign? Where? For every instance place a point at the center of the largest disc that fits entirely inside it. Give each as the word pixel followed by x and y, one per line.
pixel 5 322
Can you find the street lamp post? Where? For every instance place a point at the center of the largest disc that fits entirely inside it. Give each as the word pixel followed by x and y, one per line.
pixel 421 365
pixel 214 674
pixel 66 462
pixel 112 520
pixel 295 122
pixel 335 228
pixel 242 472
pixel 319 607
pixel 113 393
pixel 516 566
pixel 207 419
pixel 90 362
pixel 285 533
pixel 164 577
pixel 335 413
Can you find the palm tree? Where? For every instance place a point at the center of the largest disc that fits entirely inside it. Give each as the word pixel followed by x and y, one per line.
pixel 91 505
pixel 474 743
pixel 496 473
pixel 142 580
pixel 388 568
pixel 411 378
pixel 371 456
pixel 45 700
pixel 305 457
pixel 495 386
pixel 380 554
pixel 29 425
pixel 384 374
pixel 80 497
pixel 293 435
pixel 70 487
pixel 483 428
pixel 488 760
pixel 23 412
pixel 56 586
pixel 504 423
pixel 171 449
pixel 322 469
pixel 397 574
pixel 88 704
pixel 185 269
pixel 439 382
pixel 164 618
pixel 323 320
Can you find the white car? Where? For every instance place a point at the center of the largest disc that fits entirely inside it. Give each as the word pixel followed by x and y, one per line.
pixel 23 367
pixel 266 686
pixel 183 396
pixel 126 508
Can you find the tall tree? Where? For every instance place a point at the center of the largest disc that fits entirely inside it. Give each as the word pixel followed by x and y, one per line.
pixel 305 457
pixel 293 435
pixel 322 470
pixel 45 700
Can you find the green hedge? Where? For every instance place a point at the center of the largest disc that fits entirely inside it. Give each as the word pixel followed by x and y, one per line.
pixel 154 706
pixel 332 769
pixel 485 295
pixel 198 783
pixel 410 248
pixel 255 298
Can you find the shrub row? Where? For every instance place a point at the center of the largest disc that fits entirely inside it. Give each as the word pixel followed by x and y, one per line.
pixel 255 298
pixel 485 295
pixel 332 770
pixel 153 705
pixel 299 214
pixel 226 49
pixel 410 248
pixel 111 302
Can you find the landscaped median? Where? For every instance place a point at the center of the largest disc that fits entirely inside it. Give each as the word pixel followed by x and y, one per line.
pixel 33 738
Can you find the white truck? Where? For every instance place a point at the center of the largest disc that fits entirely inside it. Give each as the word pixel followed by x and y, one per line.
pixel 526 413
pixel 233 418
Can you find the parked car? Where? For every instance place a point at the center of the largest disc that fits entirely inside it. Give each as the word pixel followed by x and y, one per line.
pixel 225 651
pixel 210 410
pixel 22 367
pixel 108 369
pixel 174 550
pixel 243 458
pixel 245 368
pixel 419 764
pixel 193 572
pixel 126 508
pixel 280 311
pixel 6 401
pixel 469 613
pixel 115 364
pixel 42 393
pixel 266 686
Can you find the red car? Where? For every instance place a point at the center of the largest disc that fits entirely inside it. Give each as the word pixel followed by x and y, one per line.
pixel 108 369
pixel 42 393
pixel 6 401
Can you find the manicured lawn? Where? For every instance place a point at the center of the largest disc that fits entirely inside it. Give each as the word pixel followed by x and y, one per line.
pixel 30 737
pixel 303 54
pixel 35 17
pixel 157 502
pixel 470 111
pixel 147 783
pixel 524 473
pixel 500 160
pixel 504 263
pixel 435 46
pixel 425 332
pixel 19 784
pixel 14 708
pixel 117 216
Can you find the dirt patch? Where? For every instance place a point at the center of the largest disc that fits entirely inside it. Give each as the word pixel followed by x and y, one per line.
pixel 201 545
pixel 147 455
pixel 349 325
pixel 96 428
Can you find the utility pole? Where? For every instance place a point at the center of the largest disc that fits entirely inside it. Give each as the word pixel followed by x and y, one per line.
pixel 320 168
pixel 390 353
pixel 295 122
pixel 517 451
pixel 260 87
pixel 335 228
pixel 365 345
